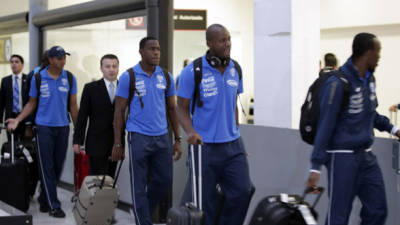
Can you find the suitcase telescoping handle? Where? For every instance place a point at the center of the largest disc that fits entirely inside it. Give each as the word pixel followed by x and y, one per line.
pixel 194 180
pixel 311 189
pixel 393 119
pixel 116 176
pixel 1 153
pixel 12 145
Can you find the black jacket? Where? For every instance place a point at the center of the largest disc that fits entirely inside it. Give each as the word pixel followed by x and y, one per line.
pixel 96 106
pixel 6 96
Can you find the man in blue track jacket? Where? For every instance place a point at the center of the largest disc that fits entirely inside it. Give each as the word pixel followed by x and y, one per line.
pixel 345 135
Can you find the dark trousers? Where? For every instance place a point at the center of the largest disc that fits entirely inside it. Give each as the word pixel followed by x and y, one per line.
pixel 149 153
pixel 224 164
pixel 52 148
pixel 355 174
pixel 100 165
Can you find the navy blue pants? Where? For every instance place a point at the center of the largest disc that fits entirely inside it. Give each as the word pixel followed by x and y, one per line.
pixel 224 164
pixel 154 154
pixel 355 174
pixel 52 146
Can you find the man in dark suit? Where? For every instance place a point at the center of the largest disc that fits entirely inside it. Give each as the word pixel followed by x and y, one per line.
pixel 97 104
pixel 14 94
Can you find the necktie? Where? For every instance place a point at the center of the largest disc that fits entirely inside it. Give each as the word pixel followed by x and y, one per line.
pixel 111 92
pixel 16 108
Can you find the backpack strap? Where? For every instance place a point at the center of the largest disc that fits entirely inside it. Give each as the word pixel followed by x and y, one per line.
pixel 167 78
pixel 132 88
pixel 71 83
pixel 198 75
pixel 38 81
pixel 346 87
pixel 238 68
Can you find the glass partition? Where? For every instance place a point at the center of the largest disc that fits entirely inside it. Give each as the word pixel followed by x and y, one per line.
pixel 88 43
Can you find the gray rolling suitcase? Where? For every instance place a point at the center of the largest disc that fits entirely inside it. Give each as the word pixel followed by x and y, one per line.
pixel 191 213
pixel 97 200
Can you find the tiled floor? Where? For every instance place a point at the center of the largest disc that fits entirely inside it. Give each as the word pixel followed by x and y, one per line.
pixel 123 218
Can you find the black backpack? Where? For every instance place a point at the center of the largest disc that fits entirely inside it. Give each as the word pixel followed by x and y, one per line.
pixel 310 108
pixel 198 75
pixel 133 90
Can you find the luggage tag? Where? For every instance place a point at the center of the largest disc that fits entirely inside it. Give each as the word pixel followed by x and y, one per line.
pixel 308 217
pixel 284 198
pixel 27 155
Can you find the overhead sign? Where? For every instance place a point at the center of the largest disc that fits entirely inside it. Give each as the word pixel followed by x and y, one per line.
pixel 136 23
pixel 190 19
pixel 5 50
pixel 183 20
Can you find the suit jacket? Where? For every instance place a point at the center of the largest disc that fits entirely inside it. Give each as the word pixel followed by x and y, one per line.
pixel 6 96
pixel 97 107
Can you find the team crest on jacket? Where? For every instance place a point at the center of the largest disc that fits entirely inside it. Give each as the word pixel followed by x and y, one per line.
pixel 160 84
pixel 160 78
pixel 232 71
pixel 64 81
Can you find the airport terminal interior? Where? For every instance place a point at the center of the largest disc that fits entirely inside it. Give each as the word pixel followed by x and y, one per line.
pixel 280 45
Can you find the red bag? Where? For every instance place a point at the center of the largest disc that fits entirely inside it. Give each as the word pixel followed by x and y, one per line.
pixel 81 169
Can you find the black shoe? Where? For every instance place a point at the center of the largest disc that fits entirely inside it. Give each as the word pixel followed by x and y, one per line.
pixel 57 213
pixel 44 208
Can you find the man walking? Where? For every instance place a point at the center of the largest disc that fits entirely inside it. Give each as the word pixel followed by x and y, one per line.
pixel 345 134
pixel 97 105
pixel 53 92
pixel 211 85
pixel 149 92
pixel 13 97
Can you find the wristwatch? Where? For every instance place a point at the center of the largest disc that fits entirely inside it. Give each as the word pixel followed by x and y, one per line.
pixel 178 138
pixel 118 145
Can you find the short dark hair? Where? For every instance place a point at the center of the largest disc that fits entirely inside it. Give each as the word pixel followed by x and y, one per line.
pixel 330 59
pixel 108 56
pixel 17 56
pixel 211 29
pixel 145 40
pixel 362 42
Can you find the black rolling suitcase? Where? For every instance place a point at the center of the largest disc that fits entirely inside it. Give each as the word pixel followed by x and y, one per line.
pixel 14 182
pixel 12 216
pixel 286 210
pixel 191 213
pixel 26 150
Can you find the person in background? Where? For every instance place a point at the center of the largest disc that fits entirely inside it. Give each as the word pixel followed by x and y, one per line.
pixel 14 96
pixel 330 63
pixel 97 105
pixel 394 108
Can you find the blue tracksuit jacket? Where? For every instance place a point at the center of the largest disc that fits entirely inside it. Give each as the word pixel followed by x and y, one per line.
pixel 348 127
